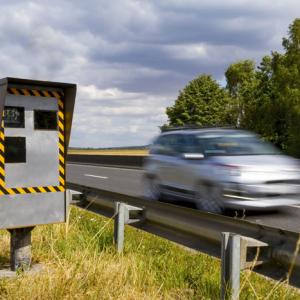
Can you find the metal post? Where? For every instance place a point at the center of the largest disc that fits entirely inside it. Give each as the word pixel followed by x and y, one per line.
pixel 119 225
pixel 125 214
pixel 68 198
pixel 20 248
pixel 231 266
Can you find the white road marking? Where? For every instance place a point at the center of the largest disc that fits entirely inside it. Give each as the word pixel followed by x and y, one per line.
pixel 102 167
pixel 96 176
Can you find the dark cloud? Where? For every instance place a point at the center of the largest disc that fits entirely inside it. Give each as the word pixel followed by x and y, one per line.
pixel 130 58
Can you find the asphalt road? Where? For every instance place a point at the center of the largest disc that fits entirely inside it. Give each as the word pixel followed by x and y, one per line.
pixel 129 182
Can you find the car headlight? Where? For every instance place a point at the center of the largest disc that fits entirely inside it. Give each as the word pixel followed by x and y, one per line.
pixel 228 170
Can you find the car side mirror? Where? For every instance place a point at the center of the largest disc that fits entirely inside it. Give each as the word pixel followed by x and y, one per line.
pixel 193 156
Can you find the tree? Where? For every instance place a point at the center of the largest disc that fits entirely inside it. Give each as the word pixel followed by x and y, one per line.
pixel 286 76
pixel 276 113
pixel 268 98
pixel 265 100
pixel 203 103
pixel 240 77
pixel 259 115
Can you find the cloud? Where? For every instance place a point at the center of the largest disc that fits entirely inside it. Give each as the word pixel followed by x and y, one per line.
pixel 112 117
pixel 131 57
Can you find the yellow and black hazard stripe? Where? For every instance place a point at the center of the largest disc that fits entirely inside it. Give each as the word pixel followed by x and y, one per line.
pixel 2 165
pixel 61 144
pixel 35 93
pixel 31 190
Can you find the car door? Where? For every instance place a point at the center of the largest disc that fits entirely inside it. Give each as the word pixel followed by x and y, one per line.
pixel 190 171
pixel 161 159
pixel 166 158
pixel 174 163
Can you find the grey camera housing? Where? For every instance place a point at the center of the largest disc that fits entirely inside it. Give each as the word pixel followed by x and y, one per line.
pixel 36 119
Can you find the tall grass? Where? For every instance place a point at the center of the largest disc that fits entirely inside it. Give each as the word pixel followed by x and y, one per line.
pixel 80 262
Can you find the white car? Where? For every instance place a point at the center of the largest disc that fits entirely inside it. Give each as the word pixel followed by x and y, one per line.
pixel 221 168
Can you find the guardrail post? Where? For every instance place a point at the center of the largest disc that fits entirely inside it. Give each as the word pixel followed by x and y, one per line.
pixel 119 225
pixel 68 197
pixel 73 197
pixel 122 217
pixel 234 259
pixel 230 266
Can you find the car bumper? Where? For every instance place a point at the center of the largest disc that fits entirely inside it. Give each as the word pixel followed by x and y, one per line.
pixel 240 202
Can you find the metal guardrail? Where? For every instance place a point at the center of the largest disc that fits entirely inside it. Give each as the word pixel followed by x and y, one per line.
pixel 130 161
pixel 203 231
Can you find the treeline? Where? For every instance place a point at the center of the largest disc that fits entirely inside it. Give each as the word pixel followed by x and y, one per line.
pixel 264 99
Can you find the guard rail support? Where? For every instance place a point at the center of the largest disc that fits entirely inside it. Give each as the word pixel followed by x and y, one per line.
pixel 234 259
pixel 125 214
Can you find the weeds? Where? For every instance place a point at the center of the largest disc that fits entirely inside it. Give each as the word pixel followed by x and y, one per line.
pixel 81 263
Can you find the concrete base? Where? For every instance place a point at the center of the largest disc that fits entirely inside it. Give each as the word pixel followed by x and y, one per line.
pixel 7 273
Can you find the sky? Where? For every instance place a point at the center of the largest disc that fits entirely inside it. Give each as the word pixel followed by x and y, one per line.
pixel 130 58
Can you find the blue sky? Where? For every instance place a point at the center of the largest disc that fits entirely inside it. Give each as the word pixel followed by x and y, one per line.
pixel 130 58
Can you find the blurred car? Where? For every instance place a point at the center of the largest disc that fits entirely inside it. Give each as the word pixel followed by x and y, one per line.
pixel 221 168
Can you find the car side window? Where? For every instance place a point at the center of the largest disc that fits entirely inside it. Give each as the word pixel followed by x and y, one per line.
pixel 169 145
pixel 156 146
pixel 193 145
pixel 175 143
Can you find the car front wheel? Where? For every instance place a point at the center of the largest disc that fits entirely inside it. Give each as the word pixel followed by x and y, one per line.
pixel 208 197
pixel 151 189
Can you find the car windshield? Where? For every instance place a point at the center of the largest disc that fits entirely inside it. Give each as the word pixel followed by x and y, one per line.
pixel 235 145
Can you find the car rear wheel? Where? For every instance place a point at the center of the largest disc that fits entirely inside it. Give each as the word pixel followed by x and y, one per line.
pixel 152 189
pixel 208 197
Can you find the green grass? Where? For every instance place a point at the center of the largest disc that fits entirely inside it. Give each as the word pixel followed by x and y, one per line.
pixel 81 263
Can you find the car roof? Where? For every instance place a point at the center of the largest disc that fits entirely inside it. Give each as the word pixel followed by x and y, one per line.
pixel 204 131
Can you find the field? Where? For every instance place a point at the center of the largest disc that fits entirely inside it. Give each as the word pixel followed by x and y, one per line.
pixel 138 152
pixel 81 263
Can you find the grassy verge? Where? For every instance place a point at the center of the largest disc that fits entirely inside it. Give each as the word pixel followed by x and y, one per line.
pixel 138 152
pixel 81 263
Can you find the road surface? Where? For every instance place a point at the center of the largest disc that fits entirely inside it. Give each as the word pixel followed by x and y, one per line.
pixel 129 182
